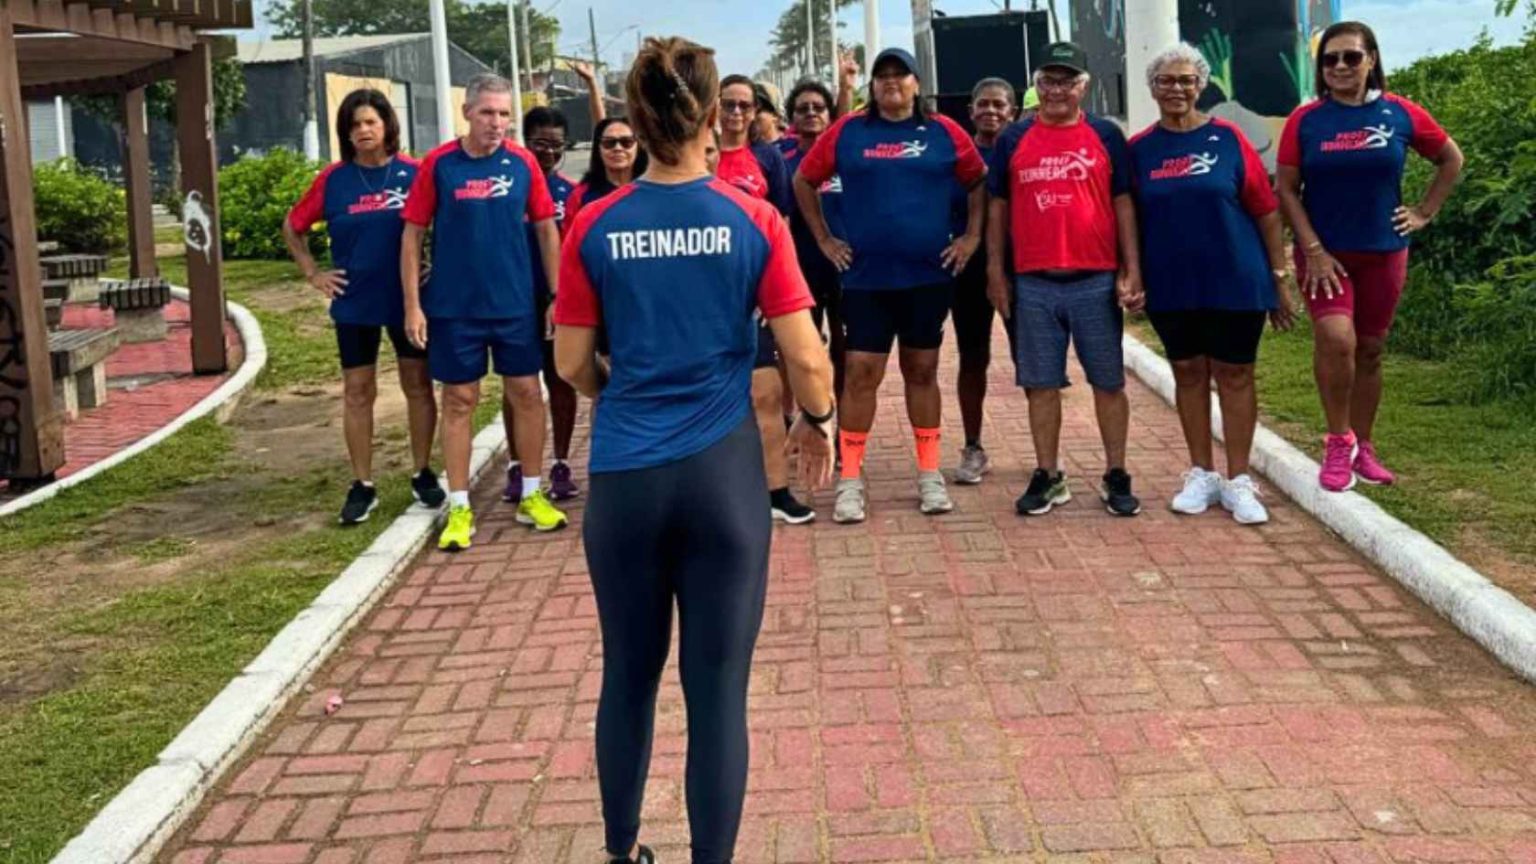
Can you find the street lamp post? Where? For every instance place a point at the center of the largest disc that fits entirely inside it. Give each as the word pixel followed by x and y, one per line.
pixel 440 83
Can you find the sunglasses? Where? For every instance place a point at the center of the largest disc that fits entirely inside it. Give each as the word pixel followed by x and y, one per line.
pixel 547 145
pixel 626 142
pixel 737 106
pixel 1351 58
pixel 805 108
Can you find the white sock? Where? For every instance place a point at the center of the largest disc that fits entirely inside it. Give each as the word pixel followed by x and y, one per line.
pixel 530 484
pixel 458 499
pixel 367 483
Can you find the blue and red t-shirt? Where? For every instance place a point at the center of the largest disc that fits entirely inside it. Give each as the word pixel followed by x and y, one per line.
pixel 897 178
pixel 560 189
pixel 678 276
pixel 1061 182
pixel 1351 159
pixel 1199 195
pixel 361 211
pixel 812 261
pixel 759 171
pixel 477 205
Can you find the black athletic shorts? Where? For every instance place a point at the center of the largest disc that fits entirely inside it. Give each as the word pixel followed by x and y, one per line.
pixel 359 344
pixel 1222 335
pixel 973 313
pixel 915 316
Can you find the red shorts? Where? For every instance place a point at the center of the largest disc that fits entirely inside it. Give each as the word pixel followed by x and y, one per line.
pixel 1372 286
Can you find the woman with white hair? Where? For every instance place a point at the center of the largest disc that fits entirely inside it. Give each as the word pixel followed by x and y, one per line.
pixel 1213 263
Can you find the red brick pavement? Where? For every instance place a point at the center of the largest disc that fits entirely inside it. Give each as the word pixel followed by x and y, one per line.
pixel 974 687
pixel 150 384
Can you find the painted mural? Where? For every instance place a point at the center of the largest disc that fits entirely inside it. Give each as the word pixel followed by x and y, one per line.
pixel 1099 27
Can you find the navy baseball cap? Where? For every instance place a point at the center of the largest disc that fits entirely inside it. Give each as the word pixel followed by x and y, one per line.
pixel 900 55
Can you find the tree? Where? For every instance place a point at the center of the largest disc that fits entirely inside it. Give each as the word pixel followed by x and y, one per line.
pixel 480 29
pixel 789 37
pixel 160 97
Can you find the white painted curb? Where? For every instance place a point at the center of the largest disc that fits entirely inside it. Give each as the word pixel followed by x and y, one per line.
pixel 137 823
pixel 1493 617
pixel 223 401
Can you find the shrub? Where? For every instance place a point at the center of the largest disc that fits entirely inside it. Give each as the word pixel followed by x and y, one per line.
pixel 79 209
pixel 255 195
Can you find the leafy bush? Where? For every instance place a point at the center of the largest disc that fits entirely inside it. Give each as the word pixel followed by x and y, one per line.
pixel 255 195
pixel 79 209
pixel 1473 278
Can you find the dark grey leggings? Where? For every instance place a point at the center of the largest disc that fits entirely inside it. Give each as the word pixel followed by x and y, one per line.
pixel 695 532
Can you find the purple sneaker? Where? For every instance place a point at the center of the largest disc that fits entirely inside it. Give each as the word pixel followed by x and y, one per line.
pixel 1338 473
pixel 1369 468
pixel 561 487
pixel 514 490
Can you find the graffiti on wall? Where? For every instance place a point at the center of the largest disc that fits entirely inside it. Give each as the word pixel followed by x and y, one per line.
pixel 196 225
pixel 1098 26
pixel 13 373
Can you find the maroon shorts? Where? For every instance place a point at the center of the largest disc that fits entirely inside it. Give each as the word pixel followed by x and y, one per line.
pixel 1372 286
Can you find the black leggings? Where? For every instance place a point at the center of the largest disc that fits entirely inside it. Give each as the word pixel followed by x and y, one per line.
pixel 684 533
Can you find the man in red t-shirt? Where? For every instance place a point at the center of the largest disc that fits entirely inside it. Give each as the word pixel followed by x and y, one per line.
pixel 1060 183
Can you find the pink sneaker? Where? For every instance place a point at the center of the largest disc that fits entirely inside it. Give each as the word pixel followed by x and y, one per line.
pixel 1370 469
pixel 1338 474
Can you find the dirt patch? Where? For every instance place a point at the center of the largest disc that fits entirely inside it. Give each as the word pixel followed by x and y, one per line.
pixel 1482 555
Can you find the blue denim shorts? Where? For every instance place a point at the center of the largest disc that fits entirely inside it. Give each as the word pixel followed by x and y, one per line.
pixel 1086 312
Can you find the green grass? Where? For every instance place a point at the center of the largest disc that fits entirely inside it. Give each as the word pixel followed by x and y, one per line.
pixel 1461 466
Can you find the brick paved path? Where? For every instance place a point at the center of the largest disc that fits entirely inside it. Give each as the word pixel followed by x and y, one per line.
pixel 971 688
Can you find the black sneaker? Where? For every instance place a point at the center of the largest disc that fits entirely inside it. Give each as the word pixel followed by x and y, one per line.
pixel 644 856
pixel 1116 493
pixel 427 491
pixel 1045 491
pixel 361 501
pixel 787 509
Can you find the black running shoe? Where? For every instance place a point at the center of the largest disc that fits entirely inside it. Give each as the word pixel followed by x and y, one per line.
pixel 361 501
pixel 1116 493
pixel 1045 491
pixel 427 491
pixel 644 856
pixel 787 509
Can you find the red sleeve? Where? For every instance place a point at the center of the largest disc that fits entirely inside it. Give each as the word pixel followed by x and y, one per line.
pixel 311 207
pixel 576 305
pixel 1257 195
pixel 1429 137
pixel 969 166
pixel 421 201
pixel 782 289
pixel 1290 139
pixel 541 205
pixel 820 164
pixel 573 204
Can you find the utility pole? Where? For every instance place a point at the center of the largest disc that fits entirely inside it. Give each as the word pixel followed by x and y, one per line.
pixel 516 75
pixel 810 38
pixel 597 70
pixel 440 81
pixel 837 56
pixel 311 125
pixel 871 35
pixel 527 52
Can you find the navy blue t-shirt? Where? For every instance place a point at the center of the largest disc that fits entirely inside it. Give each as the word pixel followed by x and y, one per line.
pixel 1351 159
pixel 1198 197
pixel 560 188
pixel 678 275
pixel 476 206
pixel 897 179
pixel 815 265
pixel 361 211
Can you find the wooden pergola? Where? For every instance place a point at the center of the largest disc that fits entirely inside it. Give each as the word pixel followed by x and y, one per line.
pixel 54 48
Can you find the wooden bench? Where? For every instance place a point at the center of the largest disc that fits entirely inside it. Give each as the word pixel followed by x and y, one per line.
pixel 138 306
pixel 81 272
pixel 80 368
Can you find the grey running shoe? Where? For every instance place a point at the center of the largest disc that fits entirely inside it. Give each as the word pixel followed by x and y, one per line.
pixel 933 494
pixel 850 502
pixel 973 465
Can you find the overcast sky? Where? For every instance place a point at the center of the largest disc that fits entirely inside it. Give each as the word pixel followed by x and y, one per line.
pixel 738 29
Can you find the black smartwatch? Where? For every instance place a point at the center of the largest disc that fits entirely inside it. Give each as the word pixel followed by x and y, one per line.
pixel 821 421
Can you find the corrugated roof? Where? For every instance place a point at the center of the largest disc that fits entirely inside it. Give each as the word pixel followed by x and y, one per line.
pixel 289 50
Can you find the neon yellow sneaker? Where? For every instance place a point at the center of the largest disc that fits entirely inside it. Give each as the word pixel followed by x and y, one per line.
pixel 535 510
pixel 461 527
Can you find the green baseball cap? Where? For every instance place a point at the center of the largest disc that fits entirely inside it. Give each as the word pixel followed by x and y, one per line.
pixel 1066 55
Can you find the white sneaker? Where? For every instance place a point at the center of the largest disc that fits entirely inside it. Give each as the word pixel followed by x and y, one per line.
pixel 974 464
pixel 1202 488
pixel 933 493
pixel 1240 496
pixel 850 501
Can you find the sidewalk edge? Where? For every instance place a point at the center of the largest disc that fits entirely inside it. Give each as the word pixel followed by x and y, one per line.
pixel 1491 616
pixel 221 402
pixel 139 821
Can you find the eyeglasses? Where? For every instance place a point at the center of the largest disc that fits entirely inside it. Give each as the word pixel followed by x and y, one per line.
pixel 805 108
pixel 626 142
pixel 1055 82
pixel 737 106
pixel 1350 58
pixel 546 145
pixel 1179 82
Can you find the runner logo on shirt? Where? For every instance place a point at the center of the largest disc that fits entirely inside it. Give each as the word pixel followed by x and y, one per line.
pixel 1048 200
pixel 751 184
pixel 479 189
pixel 1193 165
pixel 833 186
pixel 1073 165
pixel 896 150
pixel 1369 138
pixel 375 202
